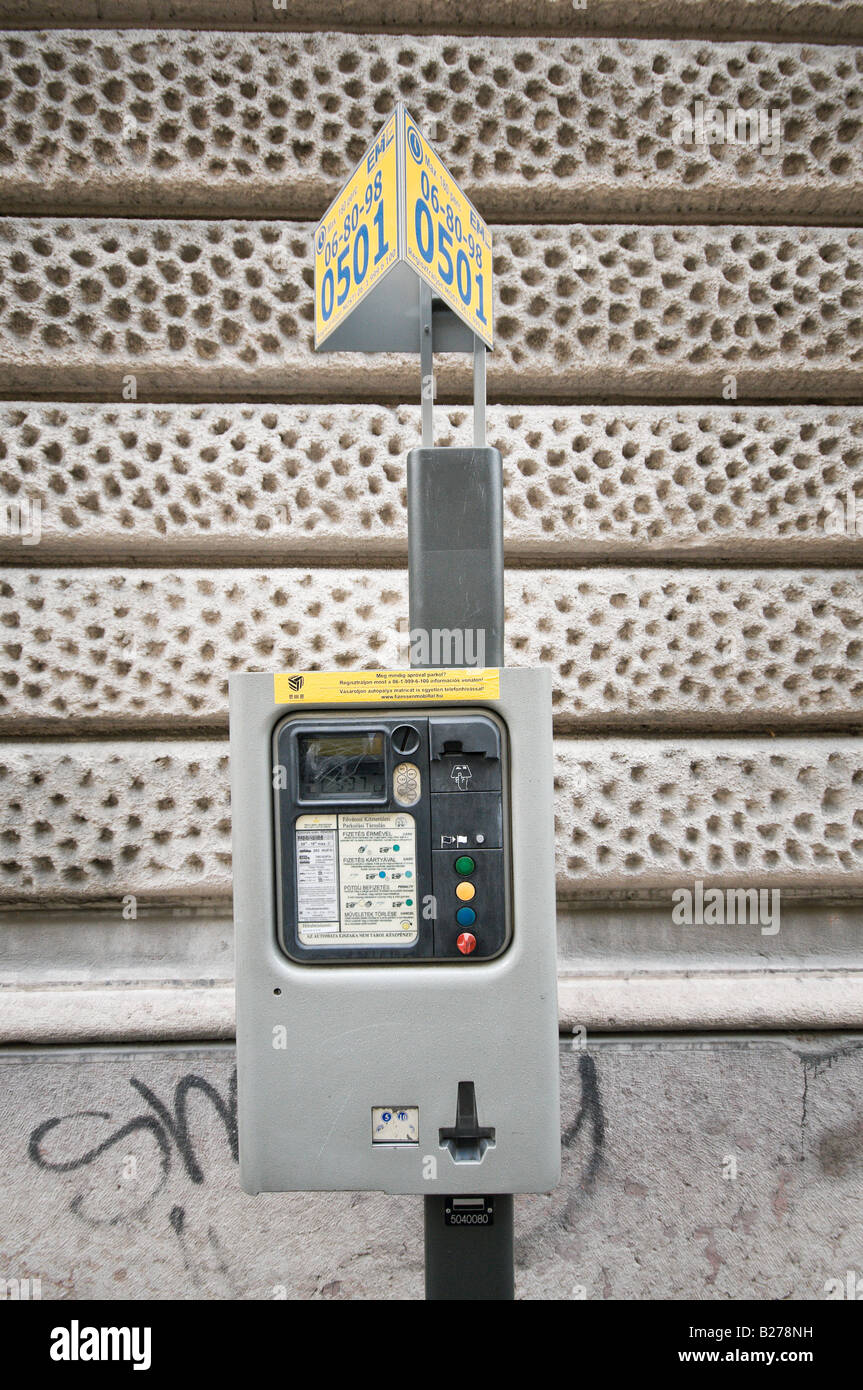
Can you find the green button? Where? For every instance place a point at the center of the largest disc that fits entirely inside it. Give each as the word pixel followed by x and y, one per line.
pixel 464 864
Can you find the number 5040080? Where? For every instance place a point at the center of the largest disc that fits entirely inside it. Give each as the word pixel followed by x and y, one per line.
pixel 440 231
pixel 352 262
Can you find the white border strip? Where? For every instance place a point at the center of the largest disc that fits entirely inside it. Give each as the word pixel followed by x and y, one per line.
pixel 670 1002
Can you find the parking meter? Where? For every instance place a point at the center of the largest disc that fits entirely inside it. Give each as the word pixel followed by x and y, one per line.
pixel 395 932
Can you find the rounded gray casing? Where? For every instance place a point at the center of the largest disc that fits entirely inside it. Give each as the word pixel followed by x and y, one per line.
pixel 320 1045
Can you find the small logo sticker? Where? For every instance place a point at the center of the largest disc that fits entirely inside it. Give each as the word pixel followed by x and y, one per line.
pixel 415 145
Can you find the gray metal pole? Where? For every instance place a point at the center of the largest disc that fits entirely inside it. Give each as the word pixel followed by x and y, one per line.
pixel 455 566
pixel 469 1262
pixel 479 394
pixel 455 534
pixel 426 366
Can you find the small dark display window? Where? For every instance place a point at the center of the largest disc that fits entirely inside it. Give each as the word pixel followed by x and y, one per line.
pixel 334 766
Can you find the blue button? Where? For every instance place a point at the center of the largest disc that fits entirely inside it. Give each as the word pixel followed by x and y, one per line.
pixel 465 917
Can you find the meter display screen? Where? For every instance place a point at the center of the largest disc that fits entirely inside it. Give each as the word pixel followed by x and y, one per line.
pixel 342 766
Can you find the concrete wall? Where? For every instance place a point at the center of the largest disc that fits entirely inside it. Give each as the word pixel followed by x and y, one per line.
pixel 692 1168
pixel 187 491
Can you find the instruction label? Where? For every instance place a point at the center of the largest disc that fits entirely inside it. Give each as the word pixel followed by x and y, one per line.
pixel 356 879
pixel 317 872
pixel 386 687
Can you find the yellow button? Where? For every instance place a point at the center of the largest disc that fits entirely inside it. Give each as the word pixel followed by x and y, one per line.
pixel 465 891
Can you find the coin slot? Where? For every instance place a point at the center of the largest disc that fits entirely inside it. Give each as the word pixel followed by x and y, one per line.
pixel 407 784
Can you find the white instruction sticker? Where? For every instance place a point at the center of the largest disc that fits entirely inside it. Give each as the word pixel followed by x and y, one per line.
pixel 317 873
pixel 356 879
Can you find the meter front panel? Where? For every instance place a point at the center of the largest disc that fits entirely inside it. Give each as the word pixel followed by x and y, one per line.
pixel 391 836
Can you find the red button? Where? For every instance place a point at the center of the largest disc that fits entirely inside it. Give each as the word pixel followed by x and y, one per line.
pixel 466 943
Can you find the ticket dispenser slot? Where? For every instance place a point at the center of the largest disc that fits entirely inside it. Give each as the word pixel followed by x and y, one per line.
pixel 467 1140
pixel 391 837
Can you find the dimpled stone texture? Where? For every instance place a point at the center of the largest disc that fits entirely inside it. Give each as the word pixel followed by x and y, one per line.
pixel 211 307
pixel 539 127
pixel 815 19
pixel 654 813
pixel 293 480
pixel 88 821
pixel 658 647
pixel 676 646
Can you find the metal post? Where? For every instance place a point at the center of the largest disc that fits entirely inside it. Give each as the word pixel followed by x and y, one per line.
pixel 469 1262
pixel 426 365
pixel 455 564
pixel 455 538
pixel 478 393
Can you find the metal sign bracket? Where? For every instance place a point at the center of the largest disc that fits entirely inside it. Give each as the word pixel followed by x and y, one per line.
pixel 427 383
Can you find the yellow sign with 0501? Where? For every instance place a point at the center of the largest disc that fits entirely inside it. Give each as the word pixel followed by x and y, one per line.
pixel 356 242
pixel 446 240
pixel 402 205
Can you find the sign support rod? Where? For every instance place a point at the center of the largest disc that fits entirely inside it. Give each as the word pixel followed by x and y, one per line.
pixel 426 365
pixel 478 393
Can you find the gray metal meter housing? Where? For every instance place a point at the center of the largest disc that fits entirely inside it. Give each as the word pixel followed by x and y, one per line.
pixel 459 1057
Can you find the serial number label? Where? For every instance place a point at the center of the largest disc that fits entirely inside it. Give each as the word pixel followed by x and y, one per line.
pixel 468 1211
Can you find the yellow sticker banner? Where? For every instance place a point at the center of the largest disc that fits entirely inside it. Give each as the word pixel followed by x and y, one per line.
pixel 446 240
pixel 386 687
pixel 356 241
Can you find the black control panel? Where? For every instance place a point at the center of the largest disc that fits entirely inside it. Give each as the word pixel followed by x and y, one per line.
pixel 392 836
